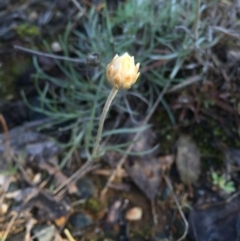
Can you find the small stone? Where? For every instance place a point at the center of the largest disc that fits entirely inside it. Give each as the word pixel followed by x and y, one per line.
pixel 3 208
pixel 83 154
pixel 33 16
pixel 80 220
pixel 44 232
pixel 3 180
pixel 85 188
pixel 134 214
pixel 56 47
pixel 165 193
pixel 37 178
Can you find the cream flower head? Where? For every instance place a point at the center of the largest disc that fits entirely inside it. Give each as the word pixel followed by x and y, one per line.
pixel 122 72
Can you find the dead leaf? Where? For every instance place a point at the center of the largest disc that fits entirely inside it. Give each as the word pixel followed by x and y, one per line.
pixel 146 170
pixel 146 174
pixel 35 146
pixel 188 159
pixel 60 222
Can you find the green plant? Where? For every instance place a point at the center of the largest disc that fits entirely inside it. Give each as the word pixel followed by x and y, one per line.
pixel 159 36
pixel 222 183
pixel 122 73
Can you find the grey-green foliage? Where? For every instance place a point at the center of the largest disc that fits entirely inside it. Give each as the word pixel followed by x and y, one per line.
pixel 153 31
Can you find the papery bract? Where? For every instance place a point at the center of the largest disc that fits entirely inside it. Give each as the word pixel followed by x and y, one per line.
pixel 122 72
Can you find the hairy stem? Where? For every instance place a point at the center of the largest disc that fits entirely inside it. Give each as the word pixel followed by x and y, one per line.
pixel 102 119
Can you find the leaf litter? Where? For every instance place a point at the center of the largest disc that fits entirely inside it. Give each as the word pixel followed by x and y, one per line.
pixel 36 150
pixel 146 174
pixel 207 100
pixel 188 159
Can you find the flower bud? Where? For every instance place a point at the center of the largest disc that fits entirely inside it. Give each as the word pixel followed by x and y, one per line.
pixel 122 72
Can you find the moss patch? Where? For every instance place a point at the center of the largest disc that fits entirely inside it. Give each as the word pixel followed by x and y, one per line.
pixel 12 68
pixel 93 205
pixel 28 30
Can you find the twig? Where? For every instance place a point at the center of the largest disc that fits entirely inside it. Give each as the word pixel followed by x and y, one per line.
pixel 230 32
pixel 80 8
pixel 53 56
pixel 7 153
pixel 154 213
pixel 13 219
pixel 78 202
pixel 29 227
pixel 232 197
pixel 68 234
pixel 6 133
pixel 178 206
pixel 85 168
pixel 57 236
pixel 5 187
pixel 187 82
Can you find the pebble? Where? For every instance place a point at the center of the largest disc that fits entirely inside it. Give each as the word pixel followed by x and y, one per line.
pixel 33 16
pixel 3 208
pixel 85 188
pixel 44 232
pixel 165 194
pixel 80 220
pixel 134 214
pixel 56 47
pixel 3 180
pixel 37 178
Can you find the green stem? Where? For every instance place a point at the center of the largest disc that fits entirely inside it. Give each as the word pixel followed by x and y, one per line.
pixel 197 18
pixel 102 119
